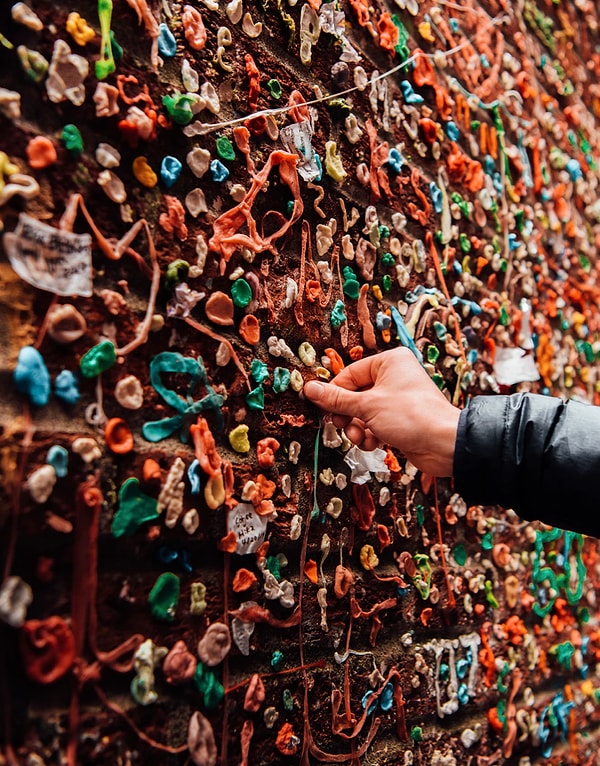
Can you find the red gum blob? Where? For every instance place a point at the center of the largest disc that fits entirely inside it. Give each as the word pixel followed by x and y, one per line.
pixel 243 580
pixel 265 451
pixel 249 329
pixel 364 319
pixel 365 506
pixel 337 364
pixel 383 536
pixel 287 741
pixel 342 581
pixel 422 216
pixel 118 436
pixel 173 221
pixel 253 81
pixel 179 664
pixel 228 544
pixel 429 129
pixel 41 152
pixel 255 694
pixel 194 29
pixel 463 170
pixel 142 97
pixel 226 239
pixel 204 447
pixel 151 470
pixel 388 32
pixel 260 614
pixel 241 136
pixel 423 73
pixel 245 741
pixel 311 571
pixel 219 309
pixel 299 110
pixel 361 9
pixel 48 649
pixel 379 154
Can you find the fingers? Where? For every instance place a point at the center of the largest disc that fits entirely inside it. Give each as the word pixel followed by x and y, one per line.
pixel 361 436
pixel 341 421
pixel 360 374
pixel 333 398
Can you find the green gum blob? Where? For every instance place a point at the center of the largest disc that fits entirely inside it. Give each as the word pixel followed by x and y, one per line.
pixel 288 700
pixel 225 148
pixel 459 552
pixel 433 354
pixel 179 107
pixel 489 595
pixel 164 596
pixel 106 63
pixel 241 293
pixel 351 285
pixel 98 359
pixel 72 139
pixel 465 243
pixel 209 686
pixel 135 508
pixel 422 578
pixel 274 566
pixel 176 272
pixel 274 88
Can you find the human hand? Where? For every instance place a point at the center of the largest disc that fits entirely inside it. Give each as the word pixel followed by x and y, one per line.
pixel 390 398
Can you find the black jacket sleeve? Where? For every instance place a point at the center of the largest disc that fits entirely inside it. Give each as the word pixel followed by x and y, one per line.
pixel 536 454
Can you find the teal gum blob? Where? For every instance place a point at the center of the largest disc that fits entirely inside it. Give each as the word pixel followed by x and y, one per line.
pixel 134 509
pixel 338 315
pixel 241 293
pixel 170 170
pixel 256 398
pixel 167 44
pixel 281 379
pixel 66 387
pixel 186 407
pixel 31 376
pixel 58 458
pixel 259 371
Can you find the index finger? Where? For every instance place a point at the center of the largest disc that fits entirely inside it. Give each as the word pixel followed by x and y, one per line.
pixel 359 375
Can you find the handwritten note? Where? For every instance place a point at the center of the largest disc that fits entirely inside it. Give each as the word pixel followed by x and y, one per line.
pixel 296 138
pixel 50 259
pixel 250 528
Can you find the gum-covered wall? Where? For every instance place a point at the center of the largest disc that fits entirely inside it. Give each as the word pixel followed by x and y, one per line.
pixel 202 207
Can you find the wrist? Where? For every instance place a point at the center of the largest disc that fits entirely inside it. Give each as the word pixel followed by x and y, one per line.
pixel 444 441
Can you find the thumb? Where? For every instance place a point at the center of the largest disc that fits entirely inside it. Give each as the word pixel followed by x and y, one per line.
pixel 333 398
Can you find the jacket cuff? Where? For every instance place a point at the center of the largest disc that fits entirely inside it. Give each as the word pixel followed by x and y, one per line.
pixel 478 450
pixel 537 454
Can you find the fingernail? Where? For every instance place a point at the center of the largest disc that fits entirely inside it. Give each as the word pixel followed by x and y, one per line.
pixel 314 390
